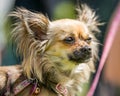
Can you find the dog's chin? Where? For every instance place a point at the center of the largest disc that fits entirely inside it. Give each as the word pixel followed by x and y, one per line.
pixel 80 59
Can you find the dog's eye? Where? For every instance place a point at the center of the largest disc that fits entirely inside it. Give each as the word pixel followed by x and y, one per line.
pixel 88 40
pixel 69 40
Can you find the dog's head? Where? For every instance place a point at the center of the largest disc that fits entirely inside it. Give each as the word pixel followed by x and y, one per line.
pixel 71 41
pixel 65 42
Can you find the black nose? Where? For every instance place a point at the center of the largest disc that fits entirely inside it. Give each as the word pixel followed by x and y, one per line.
pixel 83 53
pixel 85 50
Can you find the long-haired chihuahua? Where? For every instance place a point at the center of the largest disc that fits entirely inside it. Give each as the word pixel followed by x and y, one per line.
pixel 58 56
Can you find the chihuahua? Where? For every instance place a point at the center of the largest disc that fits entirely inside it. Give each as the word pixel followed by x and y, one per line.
pixel 58 56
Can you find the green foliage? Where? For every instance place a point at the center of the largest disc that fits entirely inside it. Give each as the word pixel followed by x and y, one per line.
pixel 64 10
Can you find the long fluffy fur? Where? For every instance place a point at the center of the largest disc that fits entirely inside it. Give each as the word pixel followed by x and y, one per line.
pixel 33 39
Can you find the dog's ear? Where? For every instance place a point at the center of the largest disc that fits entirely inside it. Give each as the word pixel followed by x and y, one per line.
pixel 30 30
pixel 33 24
pixel 88 16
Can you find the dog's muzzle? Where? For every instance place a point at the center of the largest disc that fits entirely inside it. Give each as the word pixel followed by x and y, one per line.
pixel 81 55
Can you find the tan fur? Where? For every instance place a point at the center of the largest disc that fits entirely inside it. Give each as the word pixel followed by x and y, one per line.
pixel 41 44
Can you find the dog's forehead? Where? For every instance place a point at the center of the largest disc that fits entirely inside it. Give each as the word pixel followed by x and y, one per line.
pixel 69 26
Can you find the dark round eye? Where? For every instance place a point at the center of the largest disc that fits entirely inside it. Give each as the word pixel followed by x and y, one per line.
pixel 69 40
pixel 88 39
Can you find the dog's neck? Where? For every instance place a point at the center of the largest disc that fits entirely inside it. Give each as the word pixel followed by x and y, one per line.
pixel 62 63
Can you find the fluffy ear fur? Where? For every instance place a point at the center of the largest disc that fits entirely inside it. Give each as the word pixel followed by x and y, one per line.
pixel 88 16
pixel 29 27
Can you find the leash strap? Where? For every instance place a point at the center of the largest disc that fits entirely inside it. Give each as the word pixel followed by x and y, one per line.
pixel 108 43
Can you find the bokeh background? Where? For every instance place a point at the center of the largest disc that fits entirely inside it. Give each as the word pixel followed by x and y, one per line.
pixel 57 9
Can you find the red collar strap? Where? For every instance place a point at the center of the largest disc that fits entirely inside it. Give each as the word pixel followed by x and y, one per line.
pixel 21 86
pixel 111 35
pixel 35 89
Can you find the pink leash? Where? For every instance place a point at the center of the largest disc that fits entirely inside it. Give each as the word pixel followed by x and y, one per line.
pixel 108 44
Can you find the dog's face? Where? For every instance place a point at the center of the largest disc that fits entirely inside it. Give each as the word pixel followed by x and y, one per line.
pixel 71 41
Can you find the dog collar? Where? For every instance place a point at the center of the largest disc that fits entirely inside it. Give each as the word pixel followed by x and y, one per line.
pixel 61 89
pixel 21 86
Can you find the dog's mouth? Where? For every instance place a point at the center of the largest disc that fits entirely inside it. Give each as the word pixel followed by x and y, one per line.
pixel 81 56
